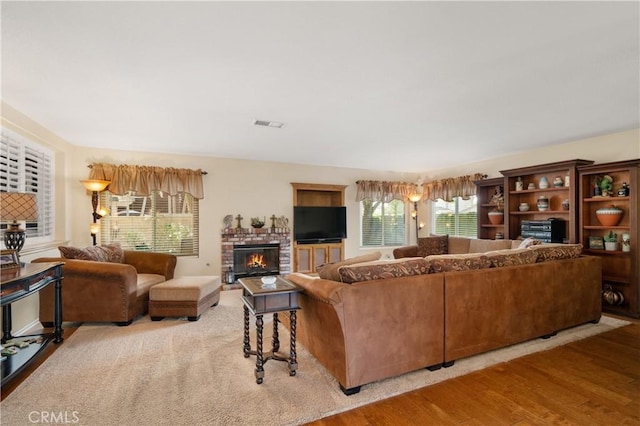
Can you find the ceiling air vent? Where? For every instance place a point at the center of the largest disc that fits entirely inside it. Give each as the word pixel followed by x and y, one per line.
pixel 268 123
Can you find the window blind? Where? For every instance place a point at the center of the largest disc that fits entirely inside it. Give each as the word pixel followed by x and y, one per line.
pixel 382 224
pixel 458 217
pixel 26 166
pixel 159 222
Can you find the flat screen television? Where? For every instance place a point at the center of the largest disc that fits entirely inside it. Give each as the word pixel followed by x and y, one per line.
pixel 319 224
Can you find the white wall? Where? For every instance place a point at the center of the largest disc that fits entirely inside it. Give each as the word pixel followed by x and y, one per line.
pixel 254 188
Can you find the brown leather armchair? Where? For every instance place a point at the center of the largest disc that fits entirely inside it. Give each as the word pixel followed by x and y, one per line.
pixel 106 292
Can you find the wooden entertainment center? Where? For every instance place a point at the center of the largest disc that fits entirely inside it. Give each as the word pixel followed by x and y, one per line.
pixel 307 257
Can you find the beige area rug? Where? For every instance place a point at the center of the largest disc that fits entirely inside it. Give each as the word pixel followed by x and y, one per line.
pixel 176 372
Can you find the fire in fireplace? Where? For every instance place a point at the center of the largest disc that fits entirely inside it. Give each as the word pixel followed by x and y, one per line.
pixel 256 260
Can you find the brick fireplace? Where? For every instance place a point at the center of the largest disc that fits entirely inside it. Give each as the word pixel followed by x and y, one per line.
pixel 260 239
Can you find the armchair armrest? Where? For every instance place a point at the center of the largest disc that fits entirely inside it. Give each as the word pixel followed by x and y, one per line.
pixel 151 263
pixel 93 291
pixel 408 251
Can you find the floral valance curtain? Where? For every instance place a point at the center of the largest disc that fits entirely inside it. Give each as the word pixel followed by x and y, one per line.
pixel 376 190
pixel 144 179
pixel 448 189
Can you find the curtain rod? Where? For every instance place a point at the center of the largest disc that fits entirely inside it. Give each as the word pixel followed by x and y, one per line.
pixel 202 172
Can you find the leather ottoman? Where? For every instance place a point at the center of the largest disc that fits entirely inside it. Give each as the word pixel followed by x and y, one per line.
pixel 184 297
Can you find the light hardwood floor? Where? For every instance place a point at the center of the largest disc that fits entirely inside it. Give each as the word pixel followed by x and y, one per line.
pixel 595 381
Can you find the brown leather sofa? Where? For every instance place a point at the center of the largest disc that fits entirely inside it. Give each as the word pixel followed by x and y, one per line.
pixel 107 292
pixel 371 330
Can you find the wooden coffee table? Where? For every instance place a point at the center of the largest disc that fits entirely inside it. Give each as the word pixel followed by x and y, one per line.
pixel 260 299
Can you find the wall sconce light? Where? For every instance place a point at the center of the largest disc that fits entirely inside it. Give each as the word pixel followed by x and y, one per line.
pixel 95 186
pixel 17 206
pixel 414 198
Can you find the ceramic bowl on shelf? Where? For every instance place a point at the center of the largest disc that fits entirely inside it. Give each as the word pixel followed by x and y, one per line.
pixel 496 218
pixel 609 216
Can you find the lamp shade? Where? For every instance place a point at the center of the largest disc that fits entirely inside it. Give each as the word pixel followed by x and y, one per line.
pixel 414 198
pixel 95 184
pixel 16 206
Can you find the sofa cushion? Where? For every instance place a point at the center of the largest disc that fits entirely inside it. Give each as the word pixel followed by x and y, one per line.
pixel 433 244
pixel 511 257
pixel 108 253
pixel 556 251
pixel 458 262
pixel 481 246
pixel 329 271
pixel 458 245
pixel 382 269
pixel 146 281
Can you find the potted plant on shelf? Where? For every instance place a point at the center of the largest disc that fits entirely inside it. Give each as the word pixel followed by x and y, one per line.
pixel 611 241
pixel 496 216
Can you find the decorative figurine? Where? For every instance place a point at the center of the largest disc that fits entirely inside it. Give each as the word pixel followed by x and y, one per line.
pixel 239 219
pixel 624 190
pixel 596 187
pixel 228 220
pixel 606 186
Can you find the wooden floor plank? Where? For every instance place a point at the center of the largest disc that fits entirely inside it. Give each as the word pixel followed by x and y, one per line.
pixel 595 381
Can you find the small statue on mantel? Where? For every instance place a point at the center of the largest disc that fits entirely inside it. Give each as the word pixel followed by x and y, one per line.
pixel 239 219
pixel 228 221
pixel 282 222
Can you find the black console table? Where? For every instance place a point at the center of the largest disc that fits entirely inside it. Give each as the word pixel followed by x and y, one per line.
pixel 16 284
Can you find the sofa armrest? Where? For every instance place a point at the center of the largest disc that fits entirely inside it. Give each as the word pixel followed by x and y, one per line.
pixel 318 288
pixel 408 251
pixel 151 263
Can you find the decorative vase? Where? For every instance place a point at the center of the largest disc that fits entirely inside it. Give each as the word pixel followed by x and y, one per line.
pixel 543 203
pixel 544 183
pixel 523 207
pixel 609 216
pixel 557 182
pixel 565 204
pixel 496 218
pixel 519 185
pixel 626 242
pixel 611 296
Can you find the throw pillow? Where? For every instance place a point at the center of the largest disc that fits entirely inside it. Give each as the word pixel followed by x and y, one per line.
pixel 434 244
pixel 329 271
pixel 556 251
pixel 458 262
pixel 109 253
pixel 383 269
pixel 528 242
pixel 511 257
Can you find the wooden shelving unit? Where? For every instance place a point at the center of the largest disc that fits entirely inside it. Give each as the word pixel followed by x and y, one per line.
pixel 565 170
pixel 485 189
pixel 307 257
pixel 620 269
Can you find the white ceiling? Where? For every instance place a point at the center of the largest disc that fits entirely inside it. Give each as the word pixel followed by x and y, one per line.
pixel 402 86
